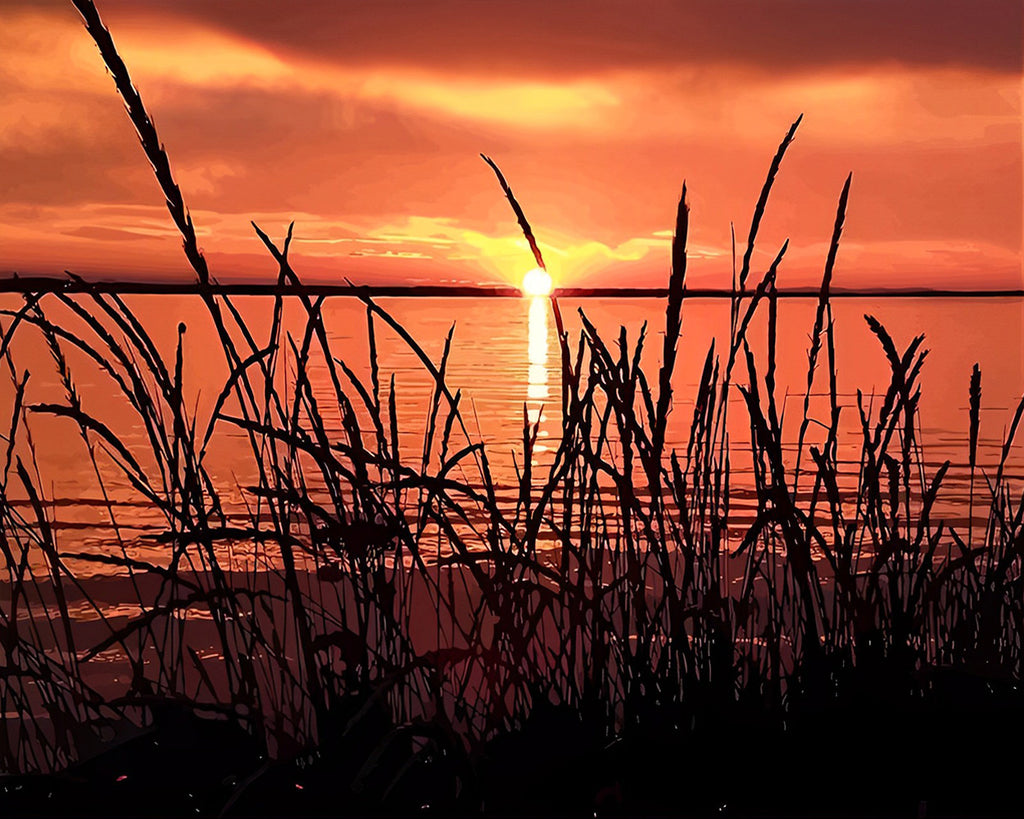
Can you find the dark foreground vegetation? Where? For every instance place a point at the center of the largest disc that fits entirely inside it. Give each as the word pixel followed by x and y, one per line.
pixel 400 640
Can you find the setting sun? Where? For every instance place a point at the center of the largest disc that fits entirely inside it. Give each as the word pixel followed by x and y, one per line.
pixel 537 282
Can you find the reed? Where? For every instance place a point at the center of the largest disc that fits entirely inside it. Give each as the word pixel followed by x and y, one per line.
pixel 376 604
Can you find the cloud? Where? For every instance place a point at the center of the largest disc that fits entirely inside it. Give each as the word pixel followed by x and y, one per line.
pixel 363 122
pixel 575 37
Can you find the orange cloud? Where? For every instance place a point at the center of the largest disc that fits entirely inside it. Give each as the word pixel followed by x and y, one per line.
pixel 372 145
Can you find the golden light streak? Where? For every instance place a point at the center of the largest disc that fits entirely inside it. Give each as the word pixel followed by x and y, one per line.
pixel 537 350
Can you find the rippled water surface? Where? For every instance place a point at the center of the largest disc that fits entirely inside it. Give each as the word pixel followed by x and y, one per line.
pixel 505 360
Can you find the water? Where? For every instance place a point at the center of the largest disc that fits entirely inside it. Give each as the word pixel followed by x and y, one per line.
pixel 505 359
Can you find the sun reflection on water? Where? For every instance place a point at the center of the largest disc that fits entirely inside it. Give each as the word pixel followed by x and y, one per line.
pixel 537 352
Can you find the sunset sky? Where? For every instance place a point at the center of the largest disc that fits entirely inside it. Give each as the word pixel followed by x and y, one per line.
pixel 364 121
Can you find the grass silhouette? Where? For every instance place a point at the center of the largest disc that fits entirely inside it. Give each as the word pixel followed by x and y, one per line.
pixel 401 637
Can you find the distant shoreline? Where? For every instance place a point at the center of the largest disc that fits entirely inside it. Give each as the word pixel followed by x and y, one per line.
pixel 48 284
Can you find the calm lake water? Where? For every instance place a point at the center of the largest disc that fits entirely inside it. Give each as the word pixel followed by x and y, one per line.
pixel 504 356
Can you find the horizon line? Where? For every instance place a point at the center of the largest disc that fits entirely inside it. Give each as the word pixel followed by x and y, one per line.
pixel 54 284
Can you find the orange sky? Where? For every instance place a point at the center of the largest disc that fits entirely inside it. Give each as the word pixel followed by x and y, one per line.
pixel 363 122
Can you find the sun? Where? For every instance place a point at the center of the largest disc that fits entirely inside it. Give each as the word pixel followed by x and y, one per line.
pixel 537 282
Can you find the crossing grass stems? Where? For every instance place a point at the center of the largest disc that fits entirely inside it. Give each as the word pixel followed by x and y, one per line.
pixel 617 585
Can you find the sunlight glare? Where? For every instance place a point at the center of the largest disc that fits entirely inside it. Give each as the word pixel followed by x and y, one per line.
pixel 537 283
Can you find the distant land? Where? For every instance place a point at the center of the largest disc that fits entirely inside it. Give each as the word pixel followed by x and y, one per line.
pixel 53 284
pixel 64 285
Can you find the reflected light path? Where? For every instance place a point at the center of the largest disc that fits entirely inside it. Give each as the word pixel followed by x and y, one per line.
pixel 537 356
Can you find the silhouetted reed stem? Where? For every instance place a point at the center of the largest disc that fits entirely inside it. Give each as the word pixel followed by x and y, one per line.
pixel 375 594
